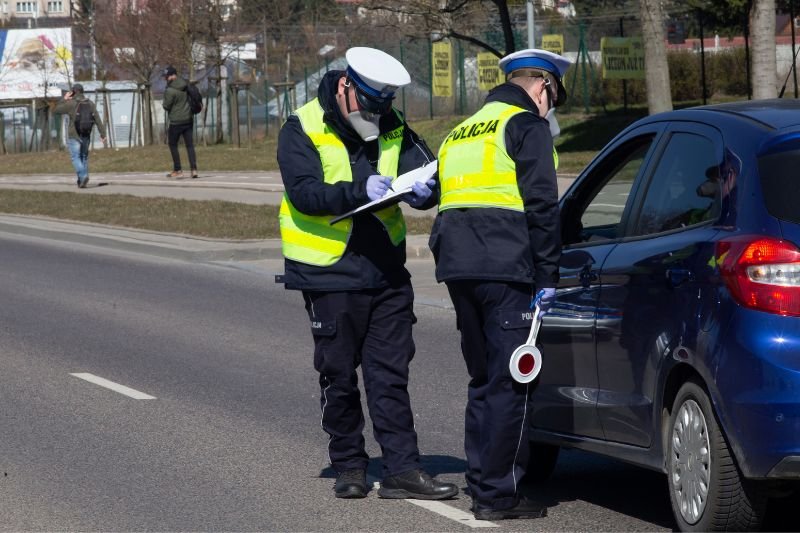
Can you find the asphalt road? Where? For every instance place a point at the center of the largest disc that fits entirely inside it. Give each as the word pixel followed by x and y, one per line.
pixel 230 439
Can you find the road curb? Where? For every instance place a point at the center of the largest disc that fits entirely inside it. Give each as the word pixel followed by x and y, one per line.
pixel 171 246
pixel 167 245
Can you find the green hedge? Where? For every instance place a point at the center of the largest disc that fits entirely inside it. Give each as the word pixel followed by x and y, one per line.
pixel 725 77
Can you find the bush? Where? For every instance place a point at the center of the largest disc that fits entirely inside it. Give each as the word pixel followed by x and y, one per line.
pixel 729 71
pixel 725 76
pixel 684 76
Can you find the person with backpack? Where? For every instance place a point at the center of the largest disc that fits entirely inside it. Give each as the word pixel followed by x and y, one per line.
pixel 181 103
pixel 83 116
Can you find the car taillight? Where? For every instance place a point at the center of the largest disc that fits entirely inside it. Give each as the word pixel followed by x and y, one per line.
pixel 762 273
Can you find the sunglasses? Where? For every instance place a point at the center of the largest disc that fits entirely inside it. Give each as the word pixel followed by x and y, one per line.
pixel 370 104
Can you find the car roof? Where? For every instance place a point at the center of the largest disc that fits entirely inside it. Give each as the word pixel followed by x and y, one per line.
pixel 774 114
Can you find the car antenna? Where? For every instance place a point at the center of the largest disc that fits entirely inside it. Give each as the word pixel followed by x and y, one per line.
pixel 780 95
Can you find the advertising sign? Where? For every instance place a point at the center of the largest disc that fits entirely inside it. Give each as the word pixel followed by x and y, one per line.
pixel 33 62
pixel 442 69
pixel 553 42
pixel 623 58
pixel 489 74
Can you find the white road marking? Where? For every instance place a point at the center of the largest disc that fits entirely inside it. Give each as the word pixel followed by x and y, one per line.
pixel 447 511
pixel 452 513
pixel 116 387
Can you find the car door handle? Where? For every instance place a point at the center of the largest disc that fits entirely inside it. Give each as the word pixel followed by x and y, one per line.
pixel 678 276
pixel 587 276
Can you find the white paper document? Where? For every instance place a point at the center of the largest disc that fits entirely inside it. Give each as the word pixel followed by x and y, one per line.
pixel 400 186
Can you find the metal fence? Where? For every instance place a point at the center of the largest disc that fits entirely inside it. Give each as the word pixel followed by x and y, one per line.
pixel 257 95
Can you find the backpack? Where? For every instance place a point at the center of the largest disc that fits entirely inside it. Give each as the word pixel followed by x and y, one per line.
pixel 195 98
pixel 83 118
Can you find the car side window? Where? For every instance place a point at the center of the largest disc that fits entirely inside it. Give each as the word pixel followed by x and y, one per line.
pixel 684 188
pixel 595 211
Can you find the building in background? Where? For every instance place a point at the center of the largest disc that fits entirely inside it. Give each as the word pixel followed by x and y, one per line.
pixel 34 13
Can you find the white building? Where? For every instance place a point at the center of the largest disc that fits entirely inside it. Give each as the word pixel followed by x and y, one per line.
pixel 33 9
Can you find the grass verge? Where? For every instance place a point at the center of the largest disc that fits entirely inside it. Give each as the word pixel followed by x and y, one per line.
pixel 212 219
pixel 582 135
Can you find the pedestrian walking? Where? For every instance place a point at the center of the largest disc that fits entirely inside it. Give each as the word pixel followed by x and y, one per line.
pixel 496 242
pixel 336 153
pixel 83 116
pixel 181 122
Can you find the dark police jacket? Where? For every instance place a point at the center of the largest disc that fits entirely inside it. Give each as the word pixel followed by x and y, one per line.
pixel 501 244
pixel 370 261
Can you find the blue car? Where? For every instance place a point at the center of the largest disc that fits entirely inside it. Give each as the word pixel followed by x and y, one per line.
pixel 674 343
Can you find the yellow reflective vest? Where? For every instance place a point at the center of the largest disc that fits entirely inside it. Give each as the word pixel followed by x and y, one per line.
pixel 311 239
pixel 475 169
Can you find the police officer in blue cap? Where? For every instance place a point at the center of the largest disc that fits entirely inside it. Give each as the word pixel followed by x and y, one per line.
pixel 336 153
pixel 496 241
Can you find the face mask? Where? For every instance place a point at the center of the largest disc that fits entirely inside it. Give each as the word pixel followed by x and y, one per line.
pixel 365 124
pixel 555 129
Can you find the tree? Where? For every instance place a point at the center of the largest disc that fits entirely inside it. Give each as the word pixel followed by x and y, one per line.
pixel 763 61
pixel 465 20
pixel 659 98
pixel 139 41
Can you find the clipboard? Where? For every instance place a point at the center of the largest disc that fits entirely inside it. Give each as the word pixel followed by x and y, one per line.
pixel 400 186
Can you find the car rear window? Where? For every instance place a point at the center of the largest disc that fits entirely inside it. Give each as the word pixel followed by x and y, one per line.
pixel 781 183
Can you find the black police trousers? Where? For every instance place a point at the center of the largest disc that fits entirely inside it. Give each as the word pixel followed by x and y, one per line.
pixel 494 318
pixel 370 328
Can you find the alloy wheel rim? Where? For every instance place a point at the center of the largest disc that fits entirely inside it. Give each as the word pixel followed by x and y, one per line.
pixel 690 461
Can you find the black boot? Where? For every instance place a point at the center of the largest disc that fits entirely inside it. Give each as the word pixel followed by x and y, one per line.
pixel 351 484
pixel 524 509
pixel 416 484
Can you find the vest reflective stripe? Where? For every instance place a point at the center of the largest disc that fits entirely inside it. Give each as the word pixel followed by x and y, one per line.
pixel 311 239
pixel 555 157
pixel 475 169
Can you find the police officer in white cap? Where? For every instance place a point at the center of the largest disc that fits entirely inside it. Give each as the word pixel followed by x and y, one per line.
pixel 497 244
pixel 336 153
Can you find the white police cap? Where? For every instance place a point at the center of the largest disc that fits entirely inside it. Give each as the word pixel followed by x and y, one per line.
pixel 375 72
pixel 534 58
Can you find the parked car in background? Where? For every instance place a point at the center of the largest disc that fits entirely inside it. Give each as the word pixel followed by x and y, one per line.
pixel 674 343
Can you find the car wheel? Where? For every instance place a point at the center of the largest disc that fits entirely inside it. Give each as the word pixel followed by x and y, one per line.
pixel 706 489
pixel 542 462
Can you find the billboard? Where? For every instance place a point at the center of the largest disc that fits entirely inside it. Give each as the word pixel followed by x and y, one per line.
pixel 623 58
pixel 33 62
pixel 489 74
pixel 553 42
pixel 442 69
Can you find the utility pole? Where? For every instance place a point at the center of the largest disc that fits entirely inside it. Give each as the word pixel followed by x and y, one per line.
pixel 530 23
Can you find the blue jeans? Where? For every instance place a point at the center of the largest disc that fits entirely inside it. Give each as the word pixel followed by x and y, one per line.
pixel 79 152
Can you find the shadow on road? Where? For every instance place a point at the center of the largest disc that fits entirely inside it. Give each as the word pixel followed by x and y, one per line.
pixel 433 464
pixel 619 487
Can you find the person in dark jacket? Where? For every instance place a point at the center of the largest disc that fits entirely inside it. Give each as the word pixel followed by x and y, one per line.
pixel 77 143
pixel 336 153
pixel 181 122
pixel 497 243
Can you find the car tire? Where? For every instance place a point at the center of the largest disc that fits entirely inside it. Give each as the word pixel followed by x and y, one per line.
pixel 542 462
pixel 706 488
